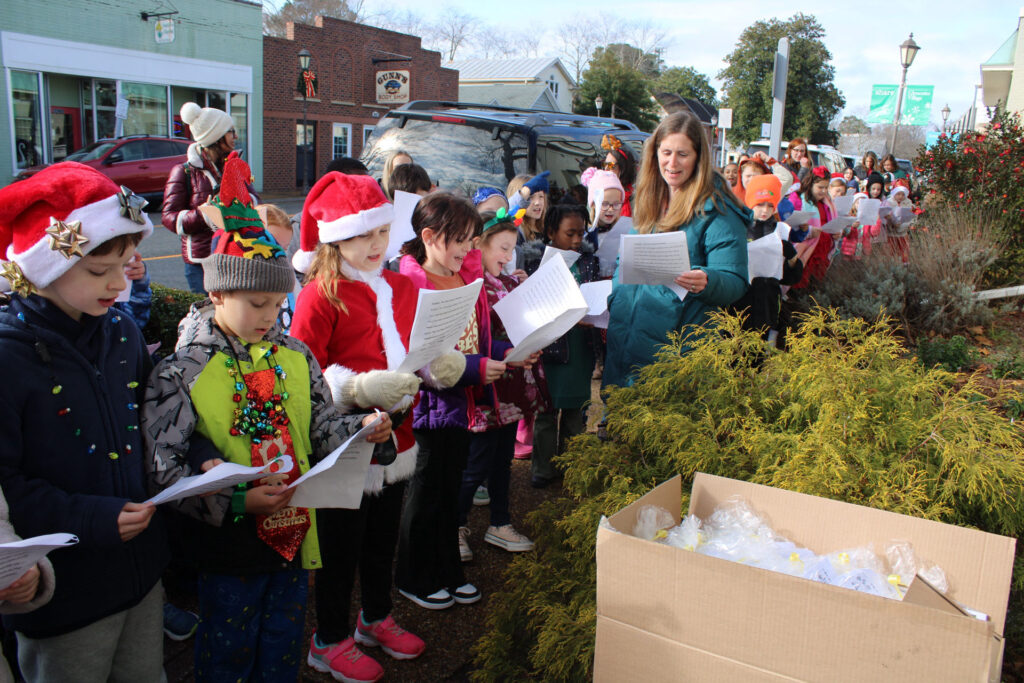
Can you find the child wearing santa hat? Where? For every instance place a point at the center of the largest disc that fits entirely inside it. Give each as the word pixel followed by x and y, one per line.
pixel 237 389
pixel 72 459
pixel 356 316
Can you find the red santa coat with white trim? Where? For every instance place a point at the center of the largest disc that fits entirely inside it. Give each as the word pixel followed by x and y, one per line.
pixel 372 335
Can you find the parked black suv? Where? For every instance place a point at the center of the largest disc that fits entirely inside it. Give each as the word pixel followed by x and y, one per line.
pixel 465 146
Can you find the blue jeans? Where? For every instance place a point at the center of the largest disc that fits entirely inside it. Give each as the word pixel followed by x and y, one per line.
pixel 490 460
pixel 251 626
pixel 194 277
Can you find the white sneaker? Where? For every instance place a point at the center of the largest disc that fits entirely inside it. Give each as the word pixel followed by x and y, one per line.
pixel 507 538
pixel 464 550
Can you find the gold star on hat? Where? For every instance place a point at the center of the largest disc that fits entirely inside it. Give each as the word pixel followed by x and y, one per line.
pixel 19 283
pixel 67 238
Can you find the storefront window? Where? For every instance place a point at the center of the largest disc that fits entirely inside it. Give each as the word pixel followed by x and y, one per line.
pixel 240 114
pixel 147 108
pixel 27 124
pixel 215 99
pixel 106 101
pixel 341 134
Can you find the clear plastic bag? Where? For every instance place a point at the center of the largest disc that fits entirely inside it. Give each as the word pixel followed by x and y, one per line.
pixel 906 564
pixel 652 522
pixel 688 535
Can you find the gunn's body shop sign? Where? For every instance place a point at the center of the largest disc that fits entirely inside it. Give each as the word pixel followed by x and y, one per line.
pixel 392 87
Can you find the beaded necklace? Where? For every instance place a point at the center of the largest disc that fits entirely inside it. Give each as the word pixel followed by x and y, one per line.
pixel 256 419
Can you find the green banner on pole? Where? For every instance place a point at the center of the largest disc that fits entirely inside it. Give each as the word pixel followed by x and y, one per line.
pixel 917 104
pixel 883 103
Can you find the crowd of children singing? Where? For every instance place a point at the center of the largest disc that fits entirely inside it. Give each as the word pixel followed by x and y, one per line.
pixel 272 365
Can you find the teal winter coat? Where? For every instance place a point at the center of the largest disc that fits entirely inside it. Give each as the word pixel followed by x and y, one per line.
pixel 641 316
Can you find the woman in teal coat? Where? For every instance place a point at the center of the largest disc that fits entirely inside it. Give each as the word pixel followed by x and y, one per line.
pixel 678 190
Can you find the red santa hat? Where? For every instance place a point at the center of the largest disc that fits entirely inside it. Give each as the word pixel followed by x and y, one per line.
pixel 51 220
pixel 339 207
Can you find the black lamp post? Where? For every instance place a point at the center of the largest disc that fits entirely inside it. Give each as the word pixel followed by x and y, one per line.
pixel 945 115
pixel 908 50
pixel 304 59
pixel 598 102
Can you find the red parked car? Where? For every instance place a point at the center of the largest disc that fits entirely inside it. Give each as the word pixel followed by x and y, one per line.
pixel 139 162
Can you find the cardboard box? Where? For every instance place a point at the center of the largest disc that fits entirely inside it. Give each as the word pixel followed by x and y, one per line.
pixel 665 614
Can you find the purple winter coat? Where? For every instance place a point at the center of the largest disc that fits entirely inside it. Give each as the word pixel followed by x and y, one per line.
pixel 455 407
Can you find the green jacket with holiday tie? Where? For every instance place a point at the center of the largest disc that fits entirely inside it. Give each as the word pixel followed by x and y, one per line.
pixel 188 415
pixel 641 316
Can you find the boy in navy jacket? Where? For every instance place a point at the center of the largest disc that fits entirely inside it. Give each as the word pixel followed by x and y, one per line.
pixel 72 459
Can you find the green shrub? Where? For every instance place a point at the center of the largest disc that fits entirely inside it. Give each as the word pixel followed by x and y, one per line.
pixel 1009 367
pixel 933 293
pixel 168 308
pixel 845 414
pixel 953 354
pixel 983 172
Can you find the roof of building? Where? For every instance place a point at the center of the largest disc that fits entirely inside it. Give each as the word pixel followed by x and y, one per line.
pixel 523 95
pixel 1005 54
pixel 505 69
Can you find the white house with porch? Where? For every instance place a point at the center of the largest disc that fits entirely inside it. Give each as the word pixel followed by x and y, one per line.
pixel 533 83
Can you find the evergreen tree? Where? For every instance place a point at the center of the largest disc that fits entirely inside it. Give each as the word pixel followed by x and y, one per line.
pixel 812 99
pixel 686 81
pixel 623 89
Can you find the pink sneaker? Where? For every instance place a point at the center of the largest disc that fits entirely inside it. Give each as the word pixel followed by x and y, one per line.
pixel 344 661
pixel 391 637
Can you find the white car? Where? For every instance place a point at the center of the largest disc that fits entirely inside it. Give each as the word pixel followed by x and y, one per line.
pixel 821 155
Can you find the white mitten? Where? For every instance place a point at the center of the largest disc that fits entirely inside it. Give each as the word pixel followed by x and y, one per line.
pixel 445 371
pixel 381 388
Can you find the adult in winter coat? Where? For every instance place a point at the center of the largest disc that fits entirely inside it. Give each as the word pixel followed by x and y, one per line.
pixel 678 190
pixel 191 184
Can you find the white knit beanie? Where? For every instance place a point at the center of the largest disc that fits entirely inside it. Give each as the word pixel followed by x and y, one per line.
pixel 208 125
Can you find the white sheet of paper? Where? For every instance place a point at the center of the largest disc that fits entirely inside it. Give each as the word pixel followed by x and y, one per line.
pixel 596 295
pixel 510 267
pixel 654 259
pixel 764 257
pixel 550 252
pixel 401 224
pixel 782 230
pixel 609 244
pixel 220 477
pixel 441 317
pixel 903 215
pixel 798 219
pixel 867 211
pixel 540 310
pixel 17 557
pixel 884 211
pixel 125 294
pixel 338 480
pixel 843 204
pixel 836 225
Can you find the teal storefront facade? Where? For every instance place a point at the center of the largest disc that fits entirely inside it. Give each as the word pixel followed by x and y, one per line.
pixel 75 72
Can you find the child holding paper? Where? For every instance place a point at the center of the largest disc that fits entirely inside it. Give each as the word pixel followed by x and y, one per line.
pixel 237 389
pixel 814 192
pixel 530 193
pixel 605 200
pixel 857 238
pixel 898 233
pixel 72 460
pixel 763 300
pixel 356 317
pixel 521 392
pixel 837 185
pixel 569 362
pixel 429 570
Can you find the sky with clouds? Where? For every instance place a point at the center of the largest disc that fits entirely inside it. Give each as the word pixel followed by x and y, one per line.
pixel 863 37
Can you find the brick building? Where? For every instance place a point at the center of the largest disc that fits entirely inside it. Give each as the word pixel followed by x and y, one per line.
pixel 348 59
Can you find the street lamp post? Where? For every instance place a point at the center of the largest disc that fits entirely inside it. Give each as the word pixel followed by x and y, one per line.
pixel 908 50
pixel 714 142
pixel 304 59
pixel 598 101
pixel 945 115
